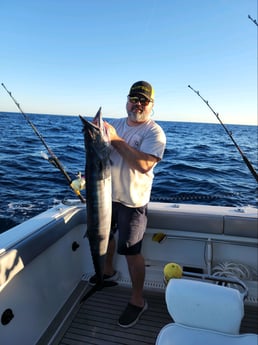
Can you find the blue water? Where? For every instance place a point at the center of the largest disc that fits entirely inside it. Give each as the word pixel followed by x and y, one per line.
pixel 200 166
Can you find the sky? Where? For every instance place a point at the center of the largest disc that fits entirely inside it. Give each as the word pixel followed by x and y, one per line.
pixel 70 57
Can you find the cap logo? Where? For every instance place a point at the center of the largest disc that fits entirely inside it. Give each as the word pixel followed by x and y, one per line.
pixel 139 88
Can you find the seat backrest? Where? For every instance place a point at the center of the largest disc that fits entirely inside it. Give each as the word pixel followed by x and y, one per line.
pixel 205 305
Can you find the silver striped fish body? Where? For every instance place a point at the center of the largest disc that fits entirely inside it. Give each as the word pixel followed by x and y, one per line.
pixel 98 190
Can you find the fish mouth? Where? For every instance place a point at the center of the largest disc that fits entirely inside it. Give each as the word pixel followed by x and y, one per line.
pixel 97 122
pixel 86 122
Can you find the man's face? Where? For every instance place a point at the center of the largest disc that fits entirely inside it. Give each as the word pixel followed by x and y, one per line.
pixel 138 108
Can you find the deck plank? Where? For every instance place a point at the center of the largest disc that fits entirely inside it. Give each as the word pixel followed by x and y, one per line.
pixel 250 321
pixel 95 323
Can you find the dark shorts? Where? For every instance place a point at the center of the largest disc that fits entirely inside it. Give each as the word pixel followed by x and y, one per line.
pixel 131 224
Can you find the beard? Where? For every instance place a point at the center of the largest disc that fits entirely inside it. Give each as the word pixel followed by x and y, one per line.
pixel 137 114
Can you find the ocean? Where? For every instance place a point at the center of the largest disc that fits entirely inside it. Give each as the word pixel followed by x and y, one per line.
pixel 200 165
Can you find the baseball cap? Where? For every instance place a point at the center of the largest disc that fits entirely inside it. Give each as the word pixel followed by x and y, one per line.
pixel 142 88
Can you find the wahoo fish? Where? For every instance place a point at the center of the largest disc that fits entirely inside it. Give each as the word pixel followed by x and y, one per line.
pixel 98 192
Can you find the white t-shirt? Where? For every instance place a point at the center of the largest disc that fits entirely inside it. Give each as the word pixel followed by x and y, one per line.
pixel 129 186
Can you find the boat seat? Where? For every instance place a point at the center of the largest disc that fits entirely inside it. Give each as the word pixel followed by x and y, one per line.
pixel 175 334
pixel 203 313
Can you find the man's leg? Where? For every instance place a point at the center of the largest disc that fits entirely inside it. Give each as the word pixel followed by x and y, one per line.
pixel 132 224
pixel 109 269
pixel 137 305
pixel 136 267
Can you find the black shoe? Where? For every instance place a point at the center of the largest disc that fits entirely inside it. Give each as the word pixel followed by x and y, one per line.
pixel 131 315
pixel 113 277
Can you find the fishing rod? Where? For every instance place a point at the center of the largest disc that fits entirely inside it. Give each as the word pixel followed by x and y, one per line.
pixel 247 162
pixel 53 159
pixel 253 20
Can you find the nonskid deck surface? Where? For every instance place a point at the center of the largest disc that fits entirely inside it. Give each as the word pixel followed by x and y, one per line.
pixel 95 323
pixel 96 320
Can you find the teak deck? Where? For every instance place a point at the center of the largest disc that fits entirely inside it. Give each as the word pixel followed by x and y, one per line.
pixel 95 321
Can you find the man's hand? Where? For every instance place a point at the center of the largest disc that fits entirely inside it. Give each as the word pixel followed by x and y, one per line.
pixel 136 159
pixel 112 132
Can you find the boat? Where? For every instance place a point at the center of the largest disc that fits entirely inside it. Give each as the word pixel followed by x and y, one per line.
pixel 45 266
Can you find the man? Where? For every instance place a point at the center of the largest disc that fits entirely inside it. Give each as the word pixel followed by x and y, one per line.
pixel 138 144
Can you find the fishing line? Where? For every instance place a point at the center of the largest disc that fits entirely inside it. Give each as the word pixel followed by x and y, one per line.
pixel 53 159
pixel 247 162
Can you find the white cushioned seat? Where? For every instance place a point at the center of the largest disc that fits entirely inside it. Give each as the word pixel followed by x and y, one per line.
pixel 175 334
pixel 203 313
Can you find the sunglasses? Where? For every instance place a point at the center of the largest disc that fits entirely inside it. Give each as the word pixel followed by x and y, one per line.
pixel 142 100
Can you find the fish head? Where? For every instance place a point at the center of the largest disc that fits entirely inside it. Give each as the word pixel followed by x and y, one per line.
pixel 96 135
pixel 96 127
pixel 98 121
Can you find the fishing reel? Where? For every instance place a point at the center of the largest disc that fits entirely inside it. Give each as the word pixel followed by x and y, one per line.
pixel 79 183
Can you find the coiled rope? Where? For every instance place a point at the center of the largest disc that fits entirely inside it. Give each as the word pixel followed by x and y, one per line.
pixel 234 270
